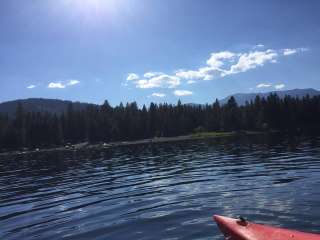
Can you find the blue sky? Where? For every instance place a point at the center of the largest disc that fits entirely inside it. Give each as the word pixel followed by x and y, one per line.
pixel 156 50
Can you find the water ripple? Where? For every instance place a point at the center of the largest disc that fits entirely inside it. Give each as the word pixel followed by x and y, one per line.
pixel 165 191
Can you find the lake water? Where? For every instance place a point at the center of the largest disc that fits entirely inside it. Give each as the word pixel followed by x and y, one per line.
pixel 163 191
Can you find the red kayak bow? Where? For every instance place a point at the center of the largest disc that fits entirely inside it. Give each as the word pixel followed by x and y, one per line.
pixel 240 229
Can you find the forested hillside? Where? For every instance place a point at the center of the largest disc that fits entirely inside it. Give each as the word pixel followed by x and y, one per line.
pixel 40 105
pixel 128 122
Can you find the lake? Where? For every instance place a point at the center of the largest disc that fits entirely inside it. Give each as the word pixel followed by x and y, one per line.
pixel 161 191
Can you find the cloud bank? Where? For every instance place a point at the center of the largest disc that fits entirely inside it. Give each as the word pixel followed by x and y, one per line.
pixel 218 65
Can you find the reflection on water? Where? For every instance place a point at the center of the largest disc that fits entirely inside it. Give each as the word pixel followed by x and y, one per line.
pixel 164 191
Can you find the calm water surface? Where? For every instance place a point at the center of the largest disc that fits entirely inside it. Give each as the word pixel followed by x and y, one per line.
pixel 164 191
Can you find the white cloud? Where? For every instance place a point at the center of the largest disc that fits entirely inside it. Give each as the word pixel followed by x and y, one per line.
pixel 190 74
pixel 63 84
pixel 279 86
pixel 72 82
pixel 221 64
pixel 267 85
pixel 252 60
pixel 152 74
pixel 31 86
pixel 161 81
pixel 213 69
pixel 217 59
pixel 181 93
pixel 263 85
pixel 289 51
pixel 259 46
pixel 191 82
pixel 132 76
pixel 161 95
pixel 56 85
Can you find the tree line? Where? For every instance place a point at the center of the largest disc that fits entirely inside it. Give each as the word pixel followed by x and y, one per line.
pixel 105 123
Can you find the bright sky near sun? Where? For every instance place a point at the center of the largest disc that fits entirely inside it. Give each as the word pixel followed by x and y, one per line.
pixel 156 50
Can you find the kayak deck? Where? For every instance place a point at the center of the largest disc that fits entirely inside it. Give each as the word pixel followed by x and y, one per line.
pixel 240 229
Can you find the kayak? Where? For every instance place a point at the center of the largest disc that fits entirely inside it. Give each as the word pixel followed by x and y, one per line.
pixel 240 229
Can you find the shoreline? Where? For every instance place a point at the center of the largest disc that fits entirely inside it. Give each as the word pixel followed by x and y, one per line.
pixel 155 140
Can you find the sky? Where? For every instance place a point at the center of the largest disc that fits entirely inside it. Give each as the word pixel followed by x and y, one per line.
pixel 156 50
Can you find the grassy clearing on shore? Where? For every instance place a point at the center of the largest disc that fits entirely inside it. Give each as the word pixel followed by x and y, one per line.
pixel 213 134
pixel 222 134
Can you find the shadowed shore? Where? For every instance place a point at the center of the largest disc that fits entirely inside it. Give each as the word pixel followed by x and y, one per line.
pixel 155 140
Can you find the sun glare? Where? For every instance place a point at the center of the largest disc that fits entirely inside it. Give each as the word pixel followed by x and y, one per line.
pixel 92 9
pixel 91 4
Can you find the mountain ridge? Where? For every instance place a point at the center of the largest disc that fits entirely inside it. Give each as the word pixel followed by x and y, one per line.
pixel 241 98
pixel 58 106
